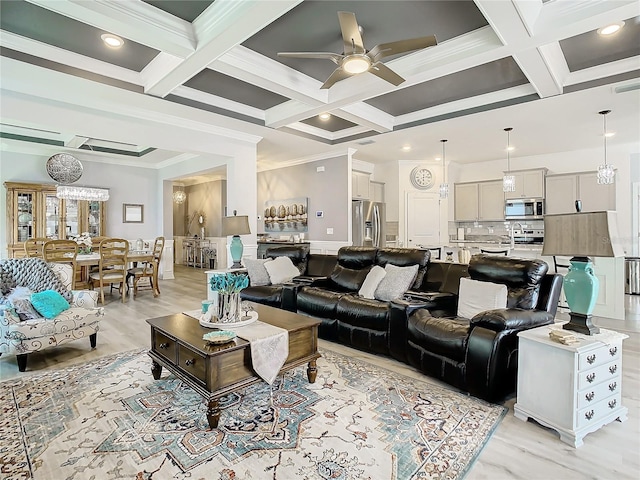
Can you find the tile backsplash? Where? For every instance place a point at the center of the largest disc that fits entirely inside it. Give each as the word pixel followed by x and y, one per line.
pixel 490 231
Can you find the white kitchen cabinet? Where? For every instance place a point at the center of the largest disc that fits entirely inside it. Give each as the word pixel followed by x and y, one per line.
pixel 360 185
pixel 573 389
pixel 377 191
pixel 529 184
pixel 562 191
pixel 466 202
pixel 479 201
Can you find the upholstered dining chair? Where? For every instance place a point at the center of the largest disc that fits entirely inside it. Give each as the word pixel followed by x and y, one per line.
pixel 62 252
pixel 148 269
pixel 436 253
pixel 112 268
pixel 33 246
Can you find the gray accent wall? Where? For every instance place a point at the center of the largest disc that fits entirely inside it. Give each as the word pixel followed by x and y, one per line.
pixel 209 198
pixel 327 191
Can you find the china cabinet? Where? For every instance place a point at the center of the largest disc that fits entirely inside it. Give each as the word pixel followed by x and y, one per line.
pixel 33 210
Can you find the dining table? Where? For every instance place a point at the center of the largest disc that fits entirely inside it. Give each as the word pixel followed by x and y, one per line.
pixel 87 260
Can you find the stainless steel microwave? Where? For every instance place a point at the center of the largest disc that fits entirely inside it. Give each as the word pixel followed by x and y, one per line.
pixel 524 209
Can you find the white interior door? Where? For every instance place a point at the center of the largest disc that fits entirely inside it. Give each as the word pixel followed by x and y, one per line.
pixel 423 219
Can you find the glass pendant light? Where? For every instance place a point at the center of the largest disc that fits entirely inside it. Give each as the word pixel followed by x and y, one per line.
pixel 606 172
pixel 444 186
pixel 508 181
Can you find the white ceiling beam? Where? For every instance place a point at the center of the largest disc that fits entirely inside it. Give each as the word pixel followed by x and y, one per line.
pixel 136 21
pixel 507 23
pixel 220 102
pixel 319 132
pixel 602 71
pixel 225 24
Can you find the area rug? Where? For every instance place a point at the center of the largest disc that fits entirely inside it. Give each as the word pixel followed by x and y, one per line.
pixel 109 419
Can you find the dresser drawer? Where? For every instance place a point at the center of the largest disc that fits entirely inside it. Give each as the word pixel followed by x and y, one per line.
pixel 605 354
pixel 191 362
pixel 164 345
pixel 592 395
pixel 593 376
pixel 593 413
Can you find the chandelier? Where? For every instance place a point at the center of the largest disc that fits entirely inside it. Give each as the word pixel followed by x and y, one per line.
pixel 179 196
pixel 444 186
pixel 606 173
pixel 75 192
pixel 508 181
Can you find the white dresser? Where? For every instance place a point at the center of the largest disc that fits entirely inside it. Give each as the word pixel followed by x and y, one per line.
pixel 573 389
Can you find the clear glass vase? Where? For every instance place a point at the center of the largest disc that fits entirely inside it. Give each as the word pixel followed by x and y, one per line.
pixel 229 308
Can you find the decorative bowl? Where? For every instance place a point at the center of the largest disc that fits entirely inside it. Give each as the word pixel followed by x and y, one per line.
pixel 221 336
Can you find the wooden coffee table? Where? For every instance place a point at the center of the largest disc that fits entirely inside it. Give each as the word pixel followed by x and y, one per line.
pixel 218 370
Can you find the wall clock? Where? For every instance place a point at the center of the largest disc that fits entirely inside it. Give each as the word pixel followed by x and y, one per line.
pixel 422 178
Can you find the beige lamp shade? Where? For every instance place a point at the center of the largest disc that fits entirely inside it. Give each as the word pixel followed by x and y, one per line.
pixel 236 225
pixel 588 234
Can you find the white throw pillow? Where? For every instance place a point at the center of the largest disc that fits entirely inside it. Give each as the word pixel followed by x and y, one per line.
pixel 395 282
pixel 374 277
pixel 258 275
pixel 281 270
pixel 477 297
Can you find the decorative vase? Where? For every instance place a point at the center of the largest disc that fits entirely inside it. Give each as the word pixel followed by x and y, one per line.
pixel 229 308
pixel 581 286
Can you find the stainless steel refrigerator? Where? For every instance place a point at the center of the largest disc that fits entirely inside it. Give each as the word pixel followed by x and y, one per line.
pixel 368 223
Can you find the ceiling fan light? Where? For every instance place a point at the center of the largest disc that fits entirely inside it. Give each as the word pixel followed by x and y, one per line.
pixel 356 64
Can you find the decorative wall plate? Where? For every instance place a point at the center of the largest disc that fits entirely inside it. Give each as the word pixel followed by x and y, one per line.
pixel 64 168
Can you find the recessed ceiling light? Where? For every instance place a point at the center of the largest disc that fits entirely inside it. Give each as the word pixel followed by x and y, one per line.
pixel 438 159
pixel 112 41
pixel 325 116
pixel 611 29
pixel 609 134
pixel 406 148
pixel 511 148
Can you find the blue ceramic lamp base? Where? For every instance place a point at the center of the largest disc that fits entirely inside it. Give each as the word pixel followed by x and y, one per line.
pixel 581 290
pixel 235 248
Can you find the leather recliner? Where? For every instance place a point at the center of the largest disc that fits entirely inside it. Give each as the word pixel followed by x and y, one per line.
pixel 346 317
pixel 479 355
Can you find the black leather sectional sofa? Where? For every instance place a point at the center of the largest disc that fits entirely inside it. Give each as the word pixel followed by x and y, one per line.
pixel 478 355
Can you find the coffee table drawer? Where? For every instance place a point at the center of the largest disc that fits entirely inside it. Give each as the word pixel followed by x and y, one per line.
pixel 164 345
pixel 192 362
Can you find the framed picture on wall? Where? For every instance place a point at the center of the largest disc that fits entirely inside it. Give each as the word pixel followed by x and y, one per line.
pixel 288 215
pixel 132 213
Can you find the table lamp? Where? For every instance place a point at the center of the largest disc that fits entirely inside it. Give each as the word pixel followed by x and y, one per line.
pixel 236 226
pixel 581 235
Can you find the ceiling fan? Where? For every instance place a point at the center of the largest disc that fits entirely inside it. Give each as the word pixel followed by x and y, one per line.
pixel 356 59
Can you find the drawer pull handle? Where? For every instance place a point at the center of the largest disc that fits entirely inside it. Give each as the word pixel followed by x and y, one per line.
pixel 589 396
pixel 613 351
pixel 589 415
pixel 612 403
pixel 163 345
pixel 191 361
pixel 591 377
pixel 591 359
pixel 613 386
pixel 613 369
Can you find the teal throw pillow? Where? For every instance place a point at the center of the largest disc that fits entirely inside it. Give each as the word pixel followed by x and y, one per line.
pixel 49 303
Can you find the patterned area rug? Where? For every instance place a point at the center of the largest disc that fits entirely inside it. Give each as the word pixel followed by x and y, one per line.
pixel 109 419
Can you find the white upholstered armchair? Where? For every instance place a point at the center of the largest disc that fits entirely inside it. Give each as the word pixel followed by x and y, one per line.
pixel 22 336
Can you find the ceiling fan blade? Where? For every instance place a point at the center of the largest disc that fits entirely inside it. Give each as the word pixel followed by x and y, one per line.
pixel 401 46
pixel 337 75
pixel 350 33
pixel 381 70
pixel 334 57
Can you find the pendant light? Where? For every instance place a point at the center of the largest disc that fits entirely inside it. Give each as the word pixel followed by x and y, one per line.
pixel 606 172
pixel 508 180
pixel 179 195
pixel 444 186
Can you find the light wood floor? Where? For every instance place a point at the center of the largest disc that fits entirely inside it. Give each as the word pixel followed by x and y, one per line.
pixel 517 450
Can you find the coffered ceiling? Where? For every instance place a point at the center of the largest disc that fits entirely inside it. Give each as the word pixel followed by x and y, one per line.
pixel 539 66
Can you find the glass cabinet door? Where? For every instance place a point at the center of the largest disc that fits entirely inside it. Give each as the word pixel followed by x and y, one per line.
pixel 52 217
pixel 71 215
pixel 24 216
pixel 94 218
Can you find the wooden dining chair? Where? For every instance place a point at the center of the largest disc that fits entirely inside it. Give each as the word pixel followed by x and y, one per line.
pixel 112 268
pixel 62 252
pixel 33 246
pixel 148 269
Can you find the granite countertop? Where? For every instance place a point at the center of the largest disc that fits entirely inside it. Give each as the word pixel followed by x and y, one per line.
pixel 283 241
